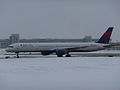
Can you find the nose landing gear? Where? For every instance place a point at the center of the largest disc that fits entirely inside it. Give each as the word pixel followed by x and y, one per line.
pixel 17 54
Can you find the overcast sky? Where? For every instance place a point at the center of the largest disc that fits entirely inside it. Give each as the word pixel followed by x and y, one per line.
pixel 59 18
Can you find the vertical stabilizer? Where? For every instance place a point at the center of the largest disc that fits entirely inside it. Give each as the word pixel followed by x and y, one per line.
pixel 106 36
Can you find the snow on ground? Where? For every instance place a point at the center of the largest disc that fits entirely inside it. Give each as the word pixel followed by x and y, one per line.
pixel 53 73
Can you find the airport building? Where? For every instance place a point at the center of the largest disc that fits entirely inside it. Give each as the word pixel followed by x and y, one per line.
pixel 87 39
pixel 4 43
pixel 14 38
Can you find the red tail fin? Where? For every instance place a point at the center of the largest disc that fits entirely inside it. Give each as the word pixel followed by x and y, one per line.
pixel 106 36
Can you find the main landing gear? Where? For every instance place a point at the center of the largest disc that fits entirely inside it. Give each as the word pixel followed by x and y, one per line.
pixel 68 55
pixel 17 54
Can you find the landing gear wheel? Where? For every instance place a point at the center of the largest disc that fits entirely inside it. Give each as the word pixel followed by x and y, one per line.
pixel 17 54
pixel 68 55
pixel 59 55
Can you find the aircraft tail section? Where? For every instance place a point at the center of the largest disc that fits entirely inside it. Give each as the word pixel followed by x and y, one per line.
pixel 106 36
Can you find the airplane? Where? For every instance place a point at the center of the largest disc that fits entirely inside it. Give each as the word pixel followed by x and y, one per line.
pixel 61 49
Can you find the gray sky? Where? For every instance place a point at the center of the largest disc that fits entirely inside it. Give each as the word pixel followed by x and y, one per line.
pixel 59 18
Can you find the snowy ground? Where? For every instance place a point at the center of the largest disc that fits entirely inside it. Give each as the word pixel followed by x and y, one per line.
pixel 52 73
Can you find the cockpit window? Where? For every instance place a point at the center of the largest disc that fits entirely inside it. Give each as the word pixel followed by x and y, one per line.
pixel 10 46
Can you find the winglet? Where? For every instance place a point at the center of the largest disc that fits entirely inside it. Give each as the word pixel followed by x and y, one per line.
pixel 106 36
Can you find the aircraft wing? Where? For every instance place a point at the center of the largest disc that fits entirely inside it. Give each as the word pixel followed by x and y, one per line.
pixel 75 48
pixel 69 49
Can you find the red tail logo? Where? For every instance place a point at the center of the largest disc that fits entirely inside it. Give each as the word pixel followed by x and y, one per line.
pixel 106 36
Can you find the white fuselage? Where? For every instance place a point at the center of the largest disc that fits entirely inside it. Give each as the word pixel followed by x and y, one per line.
pixel 38 47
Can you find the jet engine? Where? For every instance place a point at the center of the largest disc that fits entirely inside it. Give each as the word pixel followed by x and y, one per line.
pixel 60 52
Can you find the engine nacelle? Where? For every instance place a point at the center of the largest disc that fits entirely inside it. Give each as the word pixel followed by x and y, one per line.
pixel 60 52
pixel 47 52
